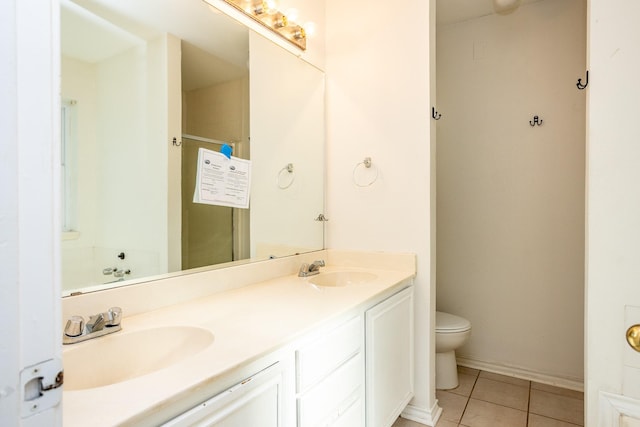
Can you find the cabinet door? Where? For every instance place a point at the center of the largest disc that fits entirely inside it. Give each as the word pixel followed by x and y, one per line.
pixel 389 358
pixel 254 402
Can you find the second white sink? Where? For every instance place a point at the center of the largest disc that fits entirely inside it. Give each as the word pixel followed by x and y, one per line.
pixel 123 356
pixel 342 278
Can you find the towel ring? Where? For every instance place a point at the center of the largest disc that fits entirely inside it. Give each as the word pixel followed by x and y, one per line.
pixel 366 163
pixel 280 179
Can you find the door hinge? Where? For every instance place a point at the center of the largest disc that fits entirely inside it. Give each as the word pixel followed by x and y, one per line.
pixel 41 387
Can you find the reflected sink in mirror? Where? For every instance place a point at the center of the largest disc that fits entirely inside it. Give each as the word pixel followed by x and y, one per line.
pixel 342 278
pixel 123 356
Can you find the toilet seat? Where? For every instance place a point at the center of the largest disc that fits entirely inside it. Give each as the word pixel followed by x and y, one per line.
pixel 449 323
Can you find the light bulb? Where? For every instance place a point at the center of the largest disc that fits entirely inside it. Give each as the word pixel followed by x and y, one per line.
pixel 272 6
pixel 309 28
pixel 292 14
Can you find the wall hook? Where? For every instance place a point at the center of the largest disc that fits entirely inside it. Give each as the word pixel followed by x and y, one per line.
pixel 434 114
pixel 321 218
pixel 536 121
pixel 586 83
pixel 176 143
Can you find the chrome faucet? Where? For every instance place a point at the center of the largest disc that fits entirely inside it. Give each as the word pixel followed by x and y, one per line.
pixel 98 325
pixel 310 269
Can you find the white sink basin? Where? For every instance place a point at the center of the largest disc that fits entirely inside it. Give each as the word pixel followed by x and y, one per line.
pixel 122 356
pixel 342 278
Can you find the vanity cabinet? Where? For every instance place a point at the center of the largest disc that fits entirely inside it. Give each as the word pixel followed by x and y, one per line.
pixel 331 370
pixel 330 377
pixel 356 374
pixel 389 358
pixel 255 401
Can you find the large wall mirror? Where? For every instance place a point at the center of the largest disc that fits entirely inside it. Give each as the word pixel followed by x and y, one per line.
pixel 145 85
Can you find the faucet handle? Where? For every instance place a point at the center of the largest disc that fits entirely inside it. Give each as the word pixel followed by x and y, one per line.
pixel 114 316
pixel 319 263
pixel 74 327
pixel 95 322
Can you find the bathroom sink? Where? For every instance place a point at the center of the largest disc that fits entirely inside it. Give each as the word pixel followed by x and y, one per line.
pixel 342 278
pixel 122 356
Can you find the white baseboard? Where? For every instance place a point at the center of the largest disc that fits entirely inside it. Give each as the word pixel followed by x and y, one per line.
pixel 427 417
pixel 569 383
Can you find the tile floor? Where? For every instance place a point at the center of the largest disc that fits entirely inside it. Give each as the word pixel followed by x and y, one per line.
pixel 484 399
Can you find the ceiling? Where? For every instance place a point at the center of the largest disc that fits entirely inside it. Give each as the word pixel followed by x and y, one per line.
pixel 210 40
pixel 197 25
pixel 450 11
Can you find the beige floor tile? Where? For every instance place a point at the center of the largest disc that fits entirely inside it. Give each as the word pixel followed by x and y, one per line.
pixel 465 385
pixel 452 405
pixel 505 394
pixel 401 422
pixel 540 421
pixel 485 414
pixel 504 378
pixel 556 406
pixel 468 371
pixel 557 390
pixel 445 423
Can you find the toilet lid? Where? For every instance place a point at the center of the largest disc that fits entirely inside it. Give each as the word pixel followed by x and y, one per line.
pixel 446 322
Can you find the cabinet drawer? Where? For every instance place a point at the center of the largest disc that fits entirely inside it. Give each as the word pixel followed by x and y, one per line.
pixel 254 402
pixel 323 355
pixel 333 396
pixel 353 416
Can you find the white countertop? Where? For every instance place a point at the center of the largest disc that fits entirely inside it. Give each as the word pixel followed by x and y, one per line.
pixel 248 323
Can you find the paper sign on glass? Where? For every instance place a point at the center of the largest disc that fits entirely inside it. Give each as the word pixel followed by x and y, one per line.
pixel 222 181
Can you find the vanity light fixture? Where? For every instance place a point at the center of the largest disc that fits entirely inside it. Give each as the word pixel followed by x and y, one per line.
pixel 266 13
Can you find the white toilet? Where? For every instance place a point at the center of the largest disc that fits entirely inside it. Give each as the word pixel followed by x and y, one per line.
pixel 451 332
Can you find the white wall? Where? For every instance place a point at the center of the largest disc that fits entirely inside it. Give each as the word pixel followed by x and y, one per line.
pixel 613 230
pixel 378 106
pixel 79 84
pixel 510 251
pixel 286 115
pixel 122 156
pixel 130 157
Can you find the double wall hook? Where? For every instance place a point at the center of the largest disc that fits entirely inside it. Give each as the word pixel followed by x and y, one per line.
pixel 586 83
pixel 536 121
pixel 434 114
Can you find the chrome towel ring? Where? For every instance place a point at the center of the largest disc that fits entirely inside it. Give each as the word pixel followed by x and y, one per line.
pixel 286 177
pixel 364 173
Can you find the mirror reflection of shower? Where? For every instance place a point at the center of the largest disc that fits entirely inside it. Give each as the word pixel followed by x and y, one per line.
pixel 505 7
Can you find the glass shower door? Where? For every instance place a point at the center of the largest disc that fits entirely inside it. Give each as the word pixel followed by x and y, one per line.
pixel 207 230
